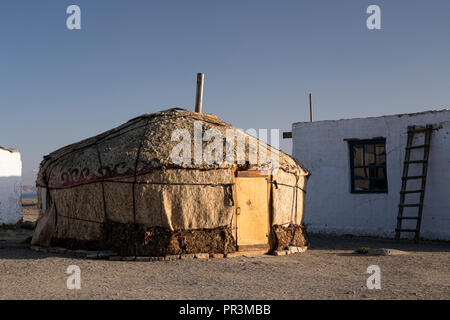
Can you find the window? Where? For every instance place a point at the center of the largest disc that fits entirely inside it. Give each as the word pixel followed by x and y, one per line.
pixel 368 166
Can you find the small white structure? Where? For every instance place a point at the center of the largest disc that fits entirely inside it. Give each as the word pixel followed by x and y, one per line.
pixel 10 186
pixel 356 172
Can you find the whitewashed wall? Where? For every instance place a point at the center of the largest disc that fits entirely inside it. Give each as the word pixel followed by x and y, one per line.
pixel 10 187
pixel 331 208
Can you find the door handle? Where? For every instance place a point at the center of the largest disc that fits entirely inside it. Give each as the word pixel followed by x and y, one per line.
pixel 238 210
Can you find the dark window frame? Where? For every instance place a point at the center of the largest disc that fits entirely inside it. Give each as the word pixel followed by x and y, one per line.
pixel 370 167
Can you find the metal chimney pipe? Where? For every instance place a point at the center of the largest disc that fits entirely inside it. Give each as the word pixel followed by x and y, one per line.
pixel 199 97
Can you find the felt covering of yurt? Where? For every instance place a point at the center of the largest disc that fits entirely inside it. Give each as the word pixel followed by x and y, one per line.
pixel 120 190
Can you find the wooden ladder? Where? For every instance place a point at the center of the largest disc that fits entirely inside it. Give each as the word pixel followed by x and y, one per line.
pixel 412 130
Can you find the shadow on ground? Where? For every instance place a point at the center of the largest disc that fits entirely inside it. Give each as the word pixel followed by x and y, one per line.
pixel 13 245
pixel 333 242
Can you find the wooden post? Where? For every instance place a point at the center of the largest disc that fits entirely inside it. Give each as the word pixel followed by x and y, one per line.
pixel 199 97
pixel 310 108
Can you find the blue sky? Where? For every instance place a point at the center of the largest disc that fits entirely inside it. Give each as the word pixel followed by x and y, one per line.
pixel 261 59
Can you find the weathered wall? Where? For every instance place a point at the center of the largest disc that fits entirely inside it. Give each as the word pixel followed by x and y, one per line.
pixel 288 202
pixel 330 207
pixel 10 187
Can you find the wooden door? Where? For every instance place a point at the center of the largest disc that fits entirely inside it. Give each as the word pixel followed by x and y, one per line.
pixel 252 213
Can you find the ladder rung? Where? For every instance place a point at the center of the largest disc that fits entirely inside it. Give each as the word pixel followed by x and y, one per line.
pixel 418 147
pixel 410 205
pixel 413 177
pixel 420 130
pixel 406 230
pixel 407 218
pixel 416 161
pixel 412 191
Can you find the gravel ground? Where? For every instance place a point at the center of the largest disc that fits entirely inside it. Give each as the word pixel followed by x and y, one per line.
pixel 328 270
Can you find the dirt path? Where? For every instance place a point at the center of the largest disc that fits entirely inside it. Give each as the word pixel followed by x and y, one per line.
pixel 328 270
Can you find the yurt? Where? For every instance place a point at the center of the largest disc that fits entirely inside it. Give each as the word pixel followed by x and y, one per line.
pixel 168 183
pixel 10 186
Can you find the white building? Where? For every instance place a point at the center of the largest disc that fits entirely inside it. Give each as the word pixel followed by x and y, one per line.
pixel 364 200
pixel 10 186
